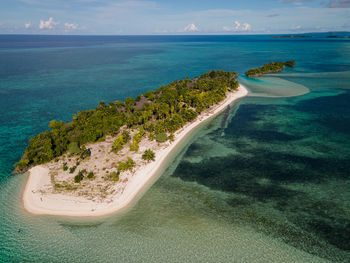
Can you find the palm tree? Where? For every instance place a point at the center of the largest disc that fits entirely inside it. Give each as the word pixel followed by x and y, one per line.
pixel 148 155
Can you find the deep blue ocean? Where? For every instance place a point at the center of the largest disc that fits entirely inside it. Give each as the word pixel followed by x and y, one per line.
pixel 267 182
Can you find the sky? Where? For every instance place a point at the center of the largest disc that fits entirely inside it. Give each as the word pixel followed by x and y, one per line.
pixel 129 17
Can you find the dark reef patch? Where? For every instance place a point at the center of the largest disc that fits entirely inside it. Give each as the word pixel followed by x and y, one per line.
pixel 286 153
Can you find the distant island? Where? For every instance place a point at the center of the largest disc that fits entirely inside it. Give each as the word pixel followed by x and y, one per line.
pixel 272 67
pixel 335 34
pixel 290 36
pixel 338 36
pixel 97 163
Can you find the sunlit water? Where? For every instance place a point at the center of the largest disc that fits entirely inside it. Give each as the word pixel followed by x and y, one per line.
pixel 268 182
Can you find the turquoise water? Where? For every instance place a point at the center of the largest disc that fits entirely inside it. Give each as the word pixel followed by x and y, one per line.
pixel 268 182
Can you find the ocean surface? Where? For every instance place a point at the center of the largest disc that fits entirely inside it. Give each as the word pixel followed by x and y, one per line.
pixel 266 181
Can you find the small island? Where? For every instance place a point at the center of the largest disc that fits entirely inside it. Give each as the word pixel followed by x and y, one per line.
pixel 97 163
pixel 272 67
pixel 290 36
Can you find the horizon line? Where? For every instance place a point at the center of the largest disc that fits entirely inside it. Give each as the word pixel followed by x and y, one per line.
pixel 155 34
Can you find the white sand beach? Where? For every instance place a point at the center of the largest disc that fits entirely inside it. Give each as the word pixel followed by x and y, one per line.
pixel 40 198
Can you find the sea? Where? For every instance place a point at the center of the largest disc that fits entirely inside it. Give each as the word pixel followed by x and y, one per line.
pixel 266 181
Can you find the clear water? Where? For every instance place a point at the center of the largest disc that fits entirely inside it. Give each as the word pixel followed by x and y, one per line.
pixel 269 182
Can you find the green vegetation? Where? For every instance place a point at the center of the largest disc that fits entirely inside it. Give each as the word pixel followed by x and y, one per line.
pixel 73 148
pixel 272 67
pixel 134 146
pixel 65 167
pixel 114 176
pixel 290 63
pixel 91 175
pixel 72 169
pixel 128 165
pixel 171 137
pixel 85 153
pixel 154 114
pixel 122 139
pixel 161 137
pixel 79 177
pixel 148 155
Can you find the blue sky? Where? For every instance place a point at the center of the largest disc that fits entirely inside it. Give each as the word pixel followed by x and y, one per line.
pixel 173 17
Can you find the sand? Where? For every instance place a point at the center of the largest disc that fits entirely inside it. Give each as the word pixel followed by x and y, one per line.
pixel 38 197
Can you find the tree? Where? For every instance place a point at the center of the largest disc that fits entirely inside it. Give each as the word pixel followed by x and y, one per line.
pixel 148 155
pixel 134 146
pixel 290 63
pixel 56 125
pixel 171 137
pixel 126 136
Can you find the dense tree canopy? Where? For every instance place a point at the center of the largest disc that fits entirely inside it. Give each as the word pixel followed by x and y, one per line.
pixel 164 110
pixel 269 68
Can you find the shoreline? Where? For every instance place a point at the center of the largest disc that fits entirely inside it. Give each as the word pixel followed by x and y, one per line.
pixel 39 203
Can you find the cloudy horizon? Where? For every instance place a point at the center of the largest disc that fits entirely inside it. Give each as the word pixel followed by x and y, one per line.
pixel 114 17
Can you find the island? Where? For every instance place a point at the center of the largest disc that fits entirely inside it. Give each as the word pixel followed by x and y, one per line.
pixel 99 162
pixel 290 36
pixel 272 67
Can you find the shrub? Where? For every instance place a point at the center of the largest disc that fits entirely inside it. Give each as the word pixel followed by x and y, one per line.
pixel 90 175
pixel 65 167
pixel 114 176
pixel 73 148
pixel 161 137
pixel 72 169
pixel 128 165
pixel 79 177
pixel 85 152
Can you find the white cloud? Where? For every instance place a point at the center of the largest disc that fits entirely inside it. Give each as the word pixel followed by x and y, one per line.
pixel 246 27
pixel 49 24
pixel 238 27
pixel 69 27
pixel 190 28
pixel 27 25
